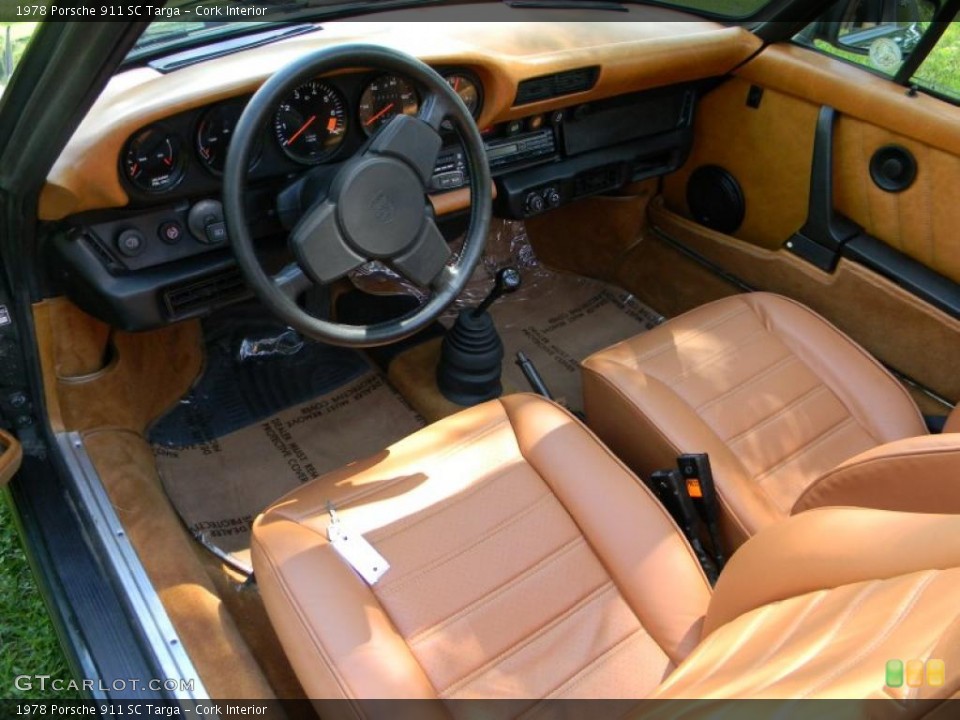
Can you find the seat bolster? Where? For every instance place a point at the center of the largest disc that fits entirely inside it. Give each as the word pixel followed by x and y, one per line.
pixel 646 424
pixel 875 398
pixel 953 421
pixel 827 548
pixel 360 654
pixel 917 474
pixel 633 536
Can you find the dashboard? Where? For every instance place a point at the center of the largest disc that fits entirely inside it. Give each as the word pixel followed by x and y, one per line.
pixel 137 231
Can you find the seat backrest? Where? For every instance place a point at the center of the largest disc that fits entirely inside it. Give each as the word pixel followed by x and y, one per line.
pixel 526 562
pixel 817 606
pixel 917 474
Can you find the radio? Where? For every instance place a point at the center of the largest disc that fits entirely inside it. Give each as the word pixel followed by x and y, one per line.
pixel 520 148
pixel 450 171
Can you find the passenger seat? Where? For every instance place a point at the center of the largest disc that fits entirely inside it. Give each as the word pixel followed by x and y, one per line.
pixel 790 410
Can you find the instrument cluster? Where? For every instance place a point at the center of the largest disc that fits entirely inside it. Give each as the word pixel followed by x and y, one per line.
pixel 310 126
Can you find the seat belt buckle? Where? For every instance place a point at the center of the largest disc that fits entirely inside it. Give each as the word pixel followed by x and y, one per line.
pixel 701 490
pixel 670 490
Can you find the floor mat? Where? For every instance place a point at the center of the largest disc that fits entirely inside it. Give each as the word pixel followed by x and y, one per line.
pixel 270 413
pixel 220 486
pixel 556 318
pixel 254 367
pixel 564 319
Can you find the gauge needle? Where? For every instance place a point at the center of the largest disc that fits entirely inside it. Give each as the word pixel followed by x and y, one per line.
pixel 303 128
pixel 380 114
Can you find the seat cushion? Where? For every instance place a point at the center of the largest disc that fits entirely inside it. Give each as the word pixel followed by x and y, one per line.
pixel 526 562
pixel 775 394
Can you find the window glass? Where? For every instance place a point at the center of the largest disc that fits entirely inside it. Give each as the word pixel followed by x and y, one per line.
pixel 940 70
pixel 878 34
pixel 14 37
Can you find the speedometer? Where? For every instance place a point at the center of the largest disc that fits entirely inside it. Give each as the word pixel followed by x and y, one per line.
pixel 311 123
pixel 385 98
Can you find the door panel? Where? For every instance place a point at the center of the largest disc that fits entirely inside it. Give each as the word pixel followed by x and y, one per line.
pixel 769 149
pixel 923 221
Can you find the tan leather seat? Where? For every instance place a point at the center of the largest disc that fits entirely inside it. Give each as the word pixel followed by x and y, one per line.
pixel 779 398
pixel 527 562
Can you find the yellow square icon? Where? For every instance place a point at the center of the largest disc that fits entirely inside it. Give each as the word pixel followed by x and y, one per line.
pixel 936 673
pixel 915 673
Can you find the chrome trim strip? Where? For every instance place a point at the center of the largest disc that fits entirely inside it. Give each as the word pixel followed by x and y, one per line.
pixel 121 557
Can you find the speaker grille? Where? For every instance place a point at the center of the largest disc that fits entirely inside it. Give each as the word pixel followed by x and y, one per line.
pixel 715 199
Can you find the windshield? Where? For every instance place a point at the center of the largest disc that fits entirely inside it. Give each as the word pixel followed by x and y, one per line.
pixel 187 22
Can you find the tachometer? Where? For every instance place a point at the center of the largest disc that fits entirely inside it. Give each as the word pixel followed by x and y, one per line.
pixel 385 98
pixel 312 122
pixel 153 160
pixel 214 132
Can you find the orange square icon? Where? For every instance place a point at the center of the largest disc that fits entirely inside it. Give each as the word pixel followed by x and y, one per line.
pixel 915 673
pixel 936 673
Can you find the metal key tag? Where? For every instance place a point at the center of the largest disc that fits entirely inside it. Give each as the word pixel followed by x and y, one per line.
pixel 355 549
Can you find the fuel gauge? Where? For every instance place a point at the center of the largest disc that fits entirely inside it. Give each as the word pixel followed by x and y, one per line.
pixel 153 160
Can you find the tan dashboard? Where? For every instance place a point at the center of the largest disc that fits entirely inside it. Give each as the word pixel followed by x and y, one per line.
pixel 643 50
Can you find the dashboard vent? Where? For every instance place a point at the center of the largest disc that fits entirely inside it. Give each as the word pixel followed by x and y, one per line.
pixel 551 86
pixel 195 297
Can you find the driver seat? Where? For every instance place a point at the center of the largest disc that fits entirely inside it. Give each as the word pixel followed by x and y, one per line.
pixel 527 562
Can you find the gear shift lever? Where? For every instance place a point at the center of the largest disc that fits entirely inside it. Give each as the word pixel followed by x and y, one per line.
pixel 472 352
pixel 506 281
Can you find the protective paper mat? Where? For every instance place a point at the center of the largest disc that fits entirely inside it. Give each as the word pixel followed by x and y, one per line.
pixel 220 485
pixel 560 319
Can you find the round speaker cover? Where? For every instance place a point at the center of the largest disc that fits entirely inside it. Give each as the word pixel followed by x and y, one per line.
pixel 893 168
pixel 715 199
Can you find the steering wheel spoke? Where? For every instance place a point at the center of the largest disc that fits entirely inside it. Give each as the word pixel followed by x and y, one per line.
pixel 411 140
pixel 292 281
pixel 319 246
pixel 427 257
pixel 434 110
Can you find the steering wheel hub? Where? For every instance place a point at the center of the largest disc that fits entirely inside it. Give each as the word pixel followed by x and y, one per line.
pixel 380 205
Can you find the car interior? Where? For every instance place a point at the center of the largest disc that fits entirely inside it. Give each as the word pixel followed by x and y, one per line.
pixel 573 354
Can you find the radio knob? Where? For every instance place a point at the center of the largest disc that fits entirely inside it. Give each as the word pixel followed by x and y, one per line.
pixel 553 197
pixel 534 203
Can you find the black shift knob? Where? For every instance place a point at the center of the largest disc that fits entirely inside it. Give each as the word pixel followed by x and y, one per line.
pixel 506 281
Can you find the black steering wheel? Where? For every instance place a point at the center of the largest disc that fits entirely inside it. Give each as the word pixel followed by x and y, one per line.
pixel 374 206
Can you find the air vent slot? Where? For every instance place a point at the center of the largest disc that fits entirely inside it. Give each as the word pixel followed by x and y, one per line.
pixel 197 296
pixel 551 86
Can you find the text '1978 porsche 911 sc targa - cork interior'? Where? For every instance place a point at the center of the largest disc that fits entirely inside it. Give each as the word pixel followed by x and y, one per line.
pixel 523 351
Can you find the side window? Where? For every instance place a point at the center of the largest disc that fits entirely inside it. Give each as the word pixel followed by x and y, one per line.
pixel 14 37
pixel 940 70
pixel 878 34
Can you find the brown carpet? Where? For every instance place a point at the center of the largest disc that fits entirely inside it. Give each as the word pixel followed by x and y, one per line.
pixel 220 486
